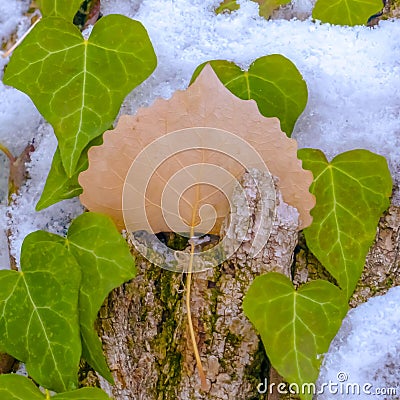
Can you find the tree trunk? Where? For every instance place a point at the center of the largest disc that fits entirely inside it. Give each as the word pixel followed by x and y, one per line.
pixel 144 323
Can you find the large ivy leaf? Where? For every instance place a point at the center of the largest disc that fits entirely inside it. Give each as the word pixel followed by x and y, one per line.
pixel 296 327
pixel 39 313
pixel 346 12
pixel 58 185
pixel 272 81
pixel 78 85
pixel 352 192
pixel 59 8
pixel 17 387
pixel 106 263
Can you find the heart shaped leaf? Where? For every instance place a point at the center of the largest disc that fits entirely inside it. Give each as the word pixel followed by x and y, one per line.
pixel 352 192
pixel 18 387
pixel 59 8
pixel 296 327
pixel 272 81
pixel 39 313
pixel 106 263
pixel 346 12
pixel 78 85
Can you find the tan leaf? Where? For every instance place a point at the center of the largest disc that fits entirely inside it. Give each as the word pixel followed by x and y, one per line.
pixel 235 127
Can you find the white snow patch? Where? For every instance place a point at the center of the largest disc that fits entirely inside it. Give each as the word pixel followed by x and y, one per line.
pixel 18 115
pixel 11 20
pixel 366 350
pixel 24 219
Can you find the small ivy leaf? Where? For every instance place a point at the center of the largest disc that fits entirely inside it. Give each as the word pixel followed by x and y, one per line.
pixel 18 387
pixel 296 327
pixel 266 7
pixel 352 192
pixel 106 263
pixel 346 12
pixel 272 81
pixel 39 313
pixel 78 85
pixel 227 6
pixel 58 186
pixel 59 8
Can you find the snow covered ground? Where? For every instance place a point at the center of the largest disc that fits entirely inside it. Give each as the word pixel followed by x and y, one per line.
pixel 353 81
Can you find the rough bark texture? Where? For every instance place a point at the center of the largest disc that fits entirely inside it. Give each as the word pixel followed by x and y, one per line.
pixel 144 326
pixel 144 323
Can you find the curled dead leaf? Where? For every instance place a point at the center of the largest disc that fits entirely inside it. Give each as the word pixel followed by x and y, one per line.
pixel 205 104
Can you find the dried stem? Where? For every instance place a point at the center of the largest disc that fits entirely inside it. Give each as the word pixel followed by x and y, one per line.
pixel 8 153
pixel 189 313
pixel 19 41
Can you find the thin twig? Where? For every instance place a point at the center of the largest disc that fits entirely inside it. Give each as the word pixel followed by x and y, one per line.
pixel 8 153
pixel 189 313
pixel 19 41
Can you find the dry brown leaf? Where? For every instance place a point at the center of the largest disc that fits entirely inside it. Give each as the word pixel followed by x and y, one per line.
pixel 206 103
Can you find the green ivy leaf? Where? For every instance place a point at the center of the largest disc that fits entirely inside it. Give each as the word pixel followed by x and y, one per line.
pixel 296 327
pixel 88 393
pixel 17 387
pixel 58 186
pixel 59 8
pixel 346 12
pixel 39 313
pixel 227 6
pixel 272 81
pixel 78 85
pixel 106 263
pixel 266 7
pixel 352 192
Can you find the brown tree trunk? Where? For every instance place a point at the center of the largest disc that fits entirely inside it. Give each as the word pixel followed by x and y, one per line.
pixel 144 323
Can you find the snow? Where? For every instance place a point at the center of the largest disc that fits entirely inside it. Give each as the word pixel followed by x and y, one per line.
pixel 11 12
pixel 19 117
pixel 367 349
pixel 353 81
pixel 25 219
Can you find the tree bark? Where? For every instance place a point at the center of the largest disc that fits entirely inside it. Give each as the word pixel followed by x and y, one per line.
pixel 144 323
